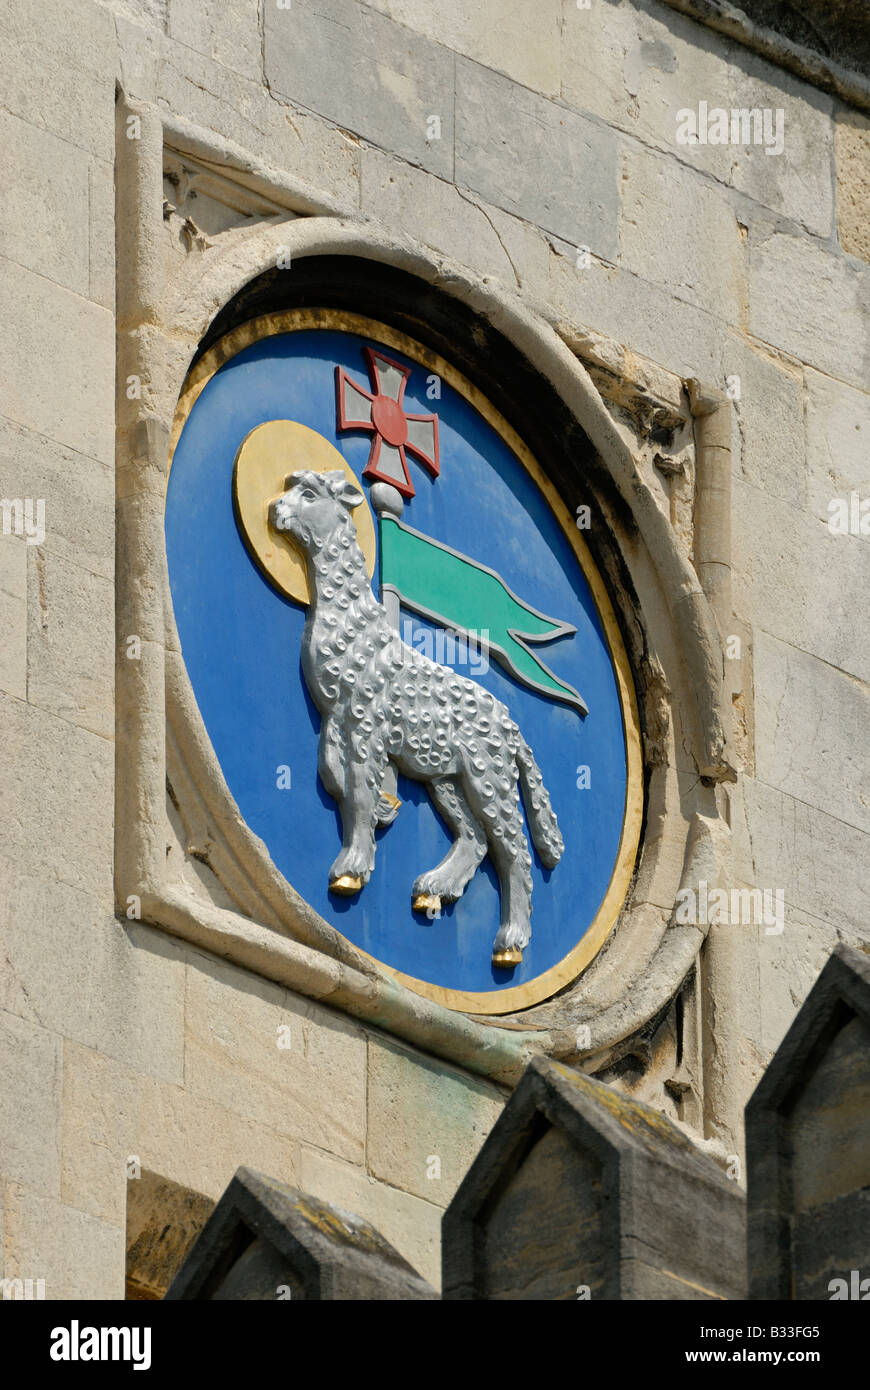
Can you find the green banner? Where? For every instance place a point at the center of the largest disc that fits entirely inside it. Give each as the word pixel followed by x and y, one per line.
pixel 468 598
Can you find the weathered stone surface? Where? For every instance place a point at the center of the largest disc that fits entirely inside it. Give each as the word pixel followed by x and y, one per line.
pixel 44 215
pixel 30 1099
pixel 811 724
pixel 47 765
pixel 76 1254
pixel 436 213
pixel 537 160
pixel 104 984
pixel 210 95
pixel 163 1221
pixel 275 1058
pixel 581 1192
pixel 811 303
pixel 228 34
pixel 786 843
pixel 101 233
pixel 266 1240
pixel 838 442
pixel 678 336
pixel 767 443
pixel 71 642
pixel 73 402
pixel 808 1143
pixel 67 47
pixel 788 967
pixel 78 493
pixel 637 65
pixel 507 35
pixel 853 182
pixel 13 615
pixel 371 76
pixel 821 607
pixel 426 1122
pixel 679 232
pixel 411 1225
pixel 798 181
pixel 114 1113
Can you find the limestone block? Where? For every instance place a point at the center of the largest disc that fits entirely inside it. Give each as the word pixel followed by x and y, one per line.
pixel 637 65
pixel 537 160
pixel 30 1100
pixel 47 382
pixel 580 1191
pixel 71 642
pixel 47 767
pixel 119 988
pixel 521 41
pixel 275 1058
pixel 676 335
pixel 266 1240
pixel 57 70
pixel 76 1254
pixel 768 441
pixel 811 303
pixel 808 1143
pixel 408 1223
pixel 229 34
pixel 78 493
pixel 811 731
pixel 44 215
pixel 853 182
pixel 371 76
pixel 789 966
pixel 211 96
pixel 680 233
pixel 798 182
pixel 821 607
pixel 838 442
pixel 13 615
pixel 101 234
pixel 434 212
pixel 426 1122
pixel 816 858
pixel 113 1113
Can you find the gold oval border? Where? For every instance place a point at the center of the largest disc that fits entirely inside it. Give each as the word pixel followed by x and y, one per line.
pixel 570 966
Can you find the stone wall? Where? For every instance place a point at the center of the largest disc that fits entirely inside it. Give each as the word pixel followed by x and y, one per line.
pixel 507 136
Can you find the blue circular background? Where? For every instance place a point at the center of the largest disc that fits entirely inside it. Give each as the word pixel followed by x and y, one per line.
pixel 241 645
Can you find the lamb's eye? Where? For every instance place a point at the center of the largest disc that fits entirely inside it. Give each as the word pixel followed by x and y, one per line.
pixel 307 495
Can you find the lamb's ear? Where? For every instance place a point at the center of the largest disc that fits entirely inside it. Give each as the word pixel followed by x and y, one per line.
pixel 346 493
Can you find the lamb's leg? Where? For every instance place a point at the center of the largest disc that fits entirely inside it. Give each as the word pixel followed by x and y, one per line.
pixel 450 878
pixel 353 867
pixel 331 758
pixel 499 812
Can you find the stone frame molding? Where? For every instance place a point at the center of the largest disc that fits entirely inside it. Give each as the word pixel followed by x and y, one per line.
pixel 674 614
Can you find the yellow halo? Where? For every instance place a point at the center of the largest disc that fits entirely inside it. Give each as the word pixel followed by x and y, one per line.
pixel 266 456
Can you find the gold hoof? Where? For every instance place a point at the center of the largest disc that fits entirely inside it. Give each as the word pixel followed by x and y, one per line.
pixel 511 956
pixel 346 884
pixel 426 902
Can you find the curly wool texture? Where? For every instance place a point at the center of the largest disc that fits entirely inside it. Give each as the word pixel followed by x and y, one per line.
pixel 383 701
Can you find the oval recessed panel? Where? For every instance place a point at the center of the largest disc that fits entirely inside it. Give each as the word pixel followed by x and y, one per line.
pixel 499 702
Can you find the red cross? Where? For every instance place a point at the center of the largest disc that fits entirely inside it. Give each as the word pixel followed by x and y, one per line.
pixel 381 412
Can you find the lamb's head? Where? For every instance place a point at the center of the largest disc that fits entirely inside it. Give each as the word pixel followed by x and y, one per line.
pixel 314 507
